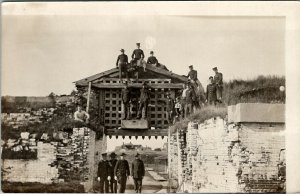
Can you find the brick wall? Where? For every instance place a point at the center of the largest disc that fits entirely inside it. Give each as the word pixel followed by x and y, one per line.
pixel 231 157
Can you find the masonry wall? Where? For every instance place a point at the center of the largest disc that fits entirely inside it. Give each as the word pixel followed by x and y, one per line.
pixel 236 157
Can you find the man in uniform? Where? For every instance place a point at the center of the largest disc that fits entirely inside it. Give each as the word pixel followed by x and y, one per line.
pixel 211 89
pixel 122 172
pixel 104 174
pixel 113 183
pixel 190 97
pixel 218 80
pixel 192 75
pixel 152 59
pixel 143 101
pixel 183 97
pixel 170 108
pixel 122 63
pixel 138 53
pixel 138 173
pixel 126 99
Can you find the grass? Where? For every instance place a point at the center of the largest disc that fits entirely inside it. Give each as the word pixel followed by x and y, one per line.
pixel 264 89
pixel 200 116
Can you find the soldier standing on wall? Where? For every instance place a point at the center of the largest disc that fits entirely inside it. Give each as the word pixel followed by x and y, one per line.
pixel 190 97
pixel 211 92
pixel 126 99
pixel 122 172
pixel 113 183
pixel 104 174
pixel 138 53
pixel 143 101
pixel 218 80
pixel 122 63
pixel 138 173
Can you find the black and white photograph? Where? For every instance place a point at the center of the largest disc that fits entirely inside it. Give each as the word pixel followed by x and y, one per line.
pixel 149 97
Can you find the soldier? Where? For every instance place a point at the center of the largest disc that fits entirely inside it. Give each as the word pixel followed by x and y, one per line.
pixel 218 80
pixel 143 101
pixel 138 173
pixel 122 172
pixel 113 183
pixel 211 89
pixel 183 97
pixel 170 108
pixel 126 99
pixel 190 97
pixel 122 63
pixel 104 174
pixel 192 75
pixel 152 59
pixel 138 53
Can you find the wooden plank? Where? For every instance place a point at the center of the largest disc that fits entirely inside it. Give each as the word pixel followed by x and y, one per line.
pixel 88 97
pixel 138 85
pixel 96 76
pixel 131 132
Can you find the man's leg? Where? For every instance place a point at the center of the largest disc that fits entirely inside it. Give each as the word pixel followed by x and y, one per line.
pixel 139 182
pixel 122 184
pixel 125 110
pixel 140 110
pixel 135 181
pixel 115 186
pixel 120 72
pixel 145 109
pixel 186 111
pixel 101 189
pixel 106 186
pixel 111 185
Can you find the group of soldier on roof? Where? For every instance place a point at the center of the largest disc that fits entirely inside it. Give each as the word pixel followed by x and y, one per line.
pixel 192 97
pixel 113 174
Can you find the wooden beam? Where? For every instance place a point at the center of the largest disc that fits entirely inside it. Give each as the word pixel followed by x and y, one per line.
pixel 88 97
pixel 148 132
pixel 138 85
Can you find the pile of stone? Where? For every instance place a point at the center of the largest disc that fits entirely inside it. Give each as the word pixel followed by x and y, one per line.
pixel 71 157
pixel 183 153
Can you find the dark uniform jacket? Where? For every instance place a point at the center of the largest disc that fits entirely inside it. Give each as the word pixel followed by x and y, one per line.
pixel 144 97
pixel 190 96
pixel 138 54
pixel 138 169
pixel 170 104
pixel 122 168
pixel 193 75
pixel 211 92
pixel 125 95
pixel 152 60
pixel 122 59
pixel 218 79
pixel 104 169
pixel 112 164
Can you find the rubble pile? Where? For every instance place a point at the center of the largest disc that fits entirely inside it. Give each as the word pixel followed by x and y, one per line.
pixel 71 157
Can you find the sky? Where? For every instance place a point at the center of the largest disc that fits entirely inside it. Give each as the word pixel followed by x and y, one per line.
pixel 46 53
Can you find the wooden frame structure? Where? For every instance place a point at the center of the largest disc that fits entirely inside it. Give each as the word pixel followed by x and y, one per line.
pixel 107 87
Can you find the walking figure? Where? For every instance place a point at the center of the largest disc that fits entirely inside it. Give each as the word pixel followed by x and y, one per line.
pixel 138 173
pixel 122 173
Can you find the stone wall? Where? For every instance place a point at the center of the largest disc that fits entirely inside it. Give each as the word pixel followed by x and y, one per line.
pixel 231 157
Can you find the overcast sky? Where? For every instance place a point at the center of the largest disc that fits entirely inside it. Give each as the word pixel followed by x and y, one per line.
pixel 46 53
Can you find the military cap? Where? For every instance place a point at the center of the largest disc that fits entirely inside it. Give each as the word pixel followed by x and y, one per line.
pixel 191 66
pixel 137 154
pixel 210 77
pixel 113 154
pixel 122 50
pixel 104 154
pixel 151 52
pixel 215 68
pixel 138 44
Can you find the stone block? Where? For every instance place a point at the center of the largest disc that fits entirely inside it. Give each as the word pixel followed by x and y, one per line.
pixel 256 112
pixel 134 124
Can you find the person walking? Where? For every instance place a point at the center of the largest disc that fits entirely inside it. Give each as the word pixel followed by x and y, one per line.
pixel 104 174
pixel 126 99
pixel 170 105
pixel 122 172
pixel 138 173
pixel 218 80
pixel 143 101
pixel 113 183
pixel 211 92
pixel 122 63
